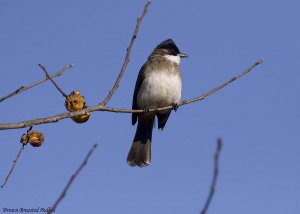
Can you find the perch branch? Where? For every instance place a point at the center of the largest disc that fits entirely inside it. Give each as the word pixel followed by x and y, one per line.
pixel 54 83
pixel 128 51
pixel 63 194
pixel 99 107
pixel 24 88
pixel 214 178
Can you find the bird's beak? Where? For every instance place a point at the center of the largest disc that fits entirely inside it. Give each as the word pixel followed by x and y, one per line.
pixel 182 55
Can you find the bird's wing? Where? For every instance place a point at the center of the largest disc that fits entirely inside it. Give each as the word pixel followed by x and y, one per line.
pixel 138 84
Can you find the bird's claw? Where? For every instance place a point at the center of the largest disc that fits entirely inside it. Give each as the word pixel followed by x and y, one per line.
pixel 146 110
pixel 174 106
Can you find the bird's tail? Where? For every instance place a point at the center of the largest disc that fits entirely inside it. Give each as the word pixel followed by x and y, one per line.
pixel 140 151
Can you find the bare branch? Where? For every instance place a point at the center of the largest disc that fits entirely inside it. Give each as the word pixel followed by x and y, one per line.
pixel 54 83
pixel 24 88
pixel 215 176
pixel 99 107
pixel 126 61
pixel 13 166
pixel 63 194
pixel 260 61
pixel 24 142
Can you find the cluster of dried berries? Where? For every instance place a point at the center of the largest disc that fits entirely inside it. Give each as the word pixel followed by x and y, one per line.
pixel 33 137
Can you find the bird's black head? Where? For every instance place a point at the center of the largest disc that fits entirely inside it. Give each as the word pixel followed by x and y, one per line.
pixel 169 47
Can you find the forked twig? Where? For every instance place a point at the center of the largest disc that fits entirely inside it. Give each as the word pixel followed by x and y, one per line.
pixel 215 176
pixel 99 107
pixel 63 194
pixel 126 60
pixel 24 88
pixel 54 83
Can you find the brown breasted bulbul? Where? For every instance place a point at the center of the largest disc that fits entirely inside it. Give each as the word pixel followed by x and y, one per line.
pixel 158 84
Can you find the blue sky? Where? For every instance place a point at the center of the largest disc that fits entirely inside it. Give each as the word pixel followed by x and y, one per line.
pixel 257 116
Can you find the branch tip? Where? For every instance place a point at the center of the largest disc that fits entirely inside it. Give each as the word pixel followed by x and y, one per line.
pixel 260 61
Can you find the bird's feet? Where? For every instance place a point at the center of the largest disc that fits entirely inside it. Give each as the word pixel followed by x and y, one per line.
pixel 174 106
pixel 146 110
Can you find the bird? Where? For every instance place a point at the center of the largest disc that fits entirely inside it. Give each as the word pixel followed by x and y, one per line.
pixel 158 84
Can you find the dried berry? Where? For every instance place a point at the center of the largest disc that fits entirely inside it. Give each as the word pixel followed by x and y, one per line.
pixel 74 102
pixel 81 118
pixel 35 138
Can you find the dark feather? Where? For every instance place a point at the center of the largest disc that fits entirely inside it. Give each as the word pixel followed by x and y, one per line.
pixel 138 84
pixel 140 151
pixel 162 119
pixel 169 45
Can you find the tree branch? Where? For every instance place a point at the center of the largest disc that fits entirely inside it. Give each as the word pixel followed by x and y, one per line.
pixel 63 194
pixel 128 51
pixel 24 88
pixel 54 83
pixel 15 161
pixel 13 166
pixel 99 107
pixel 214 178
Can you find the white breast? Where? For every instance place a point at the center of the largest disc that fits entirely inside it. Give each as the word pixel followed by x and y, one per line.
pixel 159 89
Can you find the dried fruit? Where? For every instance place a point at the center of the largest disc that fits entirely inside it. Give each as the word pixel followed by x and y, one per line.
pixel 81 118
pixel 35 138
pixel 74 102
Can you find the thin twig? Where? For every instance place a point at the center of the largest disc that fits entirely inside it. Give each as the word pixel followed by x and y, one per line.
pixel 128 51
pixel 215 176
pixel 54 83
pixel 99 107
pixel 260 61
pixel 13 166
pixel 15 161
pixel 24 88
pixel 63 194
